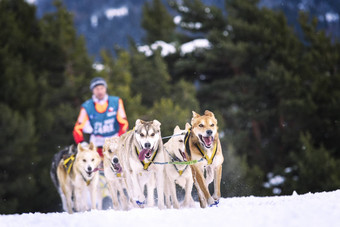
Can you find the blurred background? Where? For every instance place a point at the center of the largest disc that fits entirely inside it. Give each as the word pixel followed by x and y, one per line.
pixel 268 69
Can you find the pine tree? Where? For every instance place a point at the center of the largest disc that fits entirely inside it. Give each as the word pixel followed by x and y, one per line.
pixel 19 51
pixel 157 22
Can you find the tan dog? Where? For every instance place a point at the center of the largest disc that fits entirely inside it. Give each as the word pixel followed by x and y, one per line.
pixel 177 173
pixel 202 141
pixel 141 148
pixel 83 175
pixel 114 173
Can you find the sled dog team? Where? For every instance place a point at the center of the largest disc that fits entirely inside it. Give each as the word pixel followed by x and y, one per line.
pixel 138 160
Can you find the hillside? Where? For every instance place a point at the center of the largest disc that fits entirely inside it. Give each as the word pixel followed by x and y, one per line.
pixel 106 23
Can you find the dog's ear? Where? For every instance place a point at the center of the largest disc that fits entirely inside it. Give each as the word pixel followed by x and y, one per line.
pixel 92 147
pixel 194 115
pixel 156 123
pixel 138 122
pixel 80 148
pixel 209 113
pixel 176 129
pixel 187 126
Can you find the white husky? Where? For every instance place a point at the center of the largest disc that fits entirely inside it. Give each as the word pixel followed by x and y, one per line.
pixel 141 148
pixel 83 175
pixel 114 173
pixel 177 173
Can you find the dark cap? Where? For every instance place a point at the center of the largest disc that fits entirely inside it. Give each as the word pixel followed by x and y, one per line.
pixel 97 81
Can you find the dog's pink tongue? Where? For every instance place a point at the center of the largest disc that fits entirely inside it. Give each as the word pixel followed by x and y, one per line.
pixel 118 168
pixel 207 140
pixel 142 154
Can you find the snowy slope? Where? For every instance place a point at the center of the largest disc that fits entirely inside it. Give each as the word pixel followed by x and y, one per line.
pixel 320 209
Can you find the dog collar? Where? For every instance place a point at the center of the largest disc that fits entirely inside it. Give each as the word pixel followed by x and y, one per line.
pixel 87 181
pixel 146 165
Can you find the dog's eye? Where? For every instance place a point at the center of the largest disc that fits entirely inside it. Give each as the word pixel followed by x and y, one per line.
pixel 153 134
pixel 84 160
pixel 142 135
pixel 92 160
pixel 110 151
pixel 212 125
pixel 181 141
pixel 201 125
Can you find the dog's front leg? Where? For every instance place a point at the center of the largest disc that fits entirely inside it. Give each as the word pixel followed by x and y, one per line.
pixel 150 184
pixel 94 192
pixel 160 187
pixel 137 193
pixel 202 188
pixel 167 191
pixel 113 192
pixel 172 187
pixel 188 200
pixel 217 182
pixel 123 199
pixel 79 199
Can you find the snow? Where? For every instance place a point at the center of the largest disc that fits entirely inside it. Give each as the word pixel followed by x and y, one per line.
pixel 319 209
pixel 332 17
pixel 193 45
pixel 32 2
pixel 94 21
pixel 177 19
pixel 166 48
pixel 116 12
pixel 98 66
pixel 169 48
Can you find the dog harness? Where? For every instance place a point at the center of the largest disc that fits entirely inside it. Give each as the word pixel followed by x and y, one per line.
pixel 180 172
pixel 146 165
pixel 204 154
pixel 68 163
pixel 175 159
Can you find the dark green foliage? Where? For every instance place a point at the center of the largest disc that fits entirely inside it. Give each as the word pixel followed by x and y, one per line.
pixel 157 22
pixel 267 84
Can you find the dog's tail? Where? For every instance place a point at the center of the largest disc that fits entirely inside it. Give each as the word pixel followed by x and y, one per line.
pixel 67 151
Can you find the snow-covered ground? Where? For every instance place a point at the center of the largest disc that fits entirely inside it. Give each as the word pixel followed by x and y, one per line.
pixel 319 209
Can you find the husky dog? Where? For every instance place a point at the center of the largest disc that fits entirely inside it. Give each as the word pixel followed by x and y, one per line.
pixel 141 147
pixel 114 173
pixel 202 141
pixel 62 154
pixel 180 174
pixel 82 175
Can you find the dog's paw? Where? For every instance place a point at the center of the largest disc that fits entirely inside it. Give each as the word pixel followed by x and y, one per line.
pixel 140 204
pixel 216 202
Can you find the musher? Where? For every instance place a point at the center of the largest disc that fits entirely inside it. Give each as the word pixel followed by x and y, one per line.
pixel 101 116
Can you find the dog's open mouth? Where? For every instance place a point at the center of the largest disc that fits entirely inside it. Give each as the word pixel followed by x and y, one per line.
pixel 89 173
pixel 207 141
pixel 145 153
pixel 183 155
pixel 117 167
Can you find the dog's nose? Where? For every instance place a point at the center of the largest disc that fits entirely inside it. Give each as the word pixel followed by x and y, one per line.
pixel 147 145
pixel 209 132
pixel 115 160
pixel 89 168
